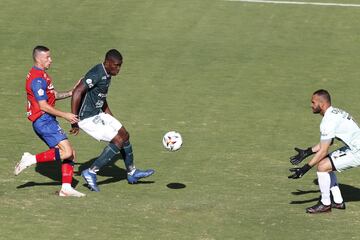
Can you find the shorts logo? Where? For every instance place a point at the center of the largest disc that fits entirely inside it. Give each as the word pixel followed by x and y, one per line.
pixel 89 82
pixel 40 92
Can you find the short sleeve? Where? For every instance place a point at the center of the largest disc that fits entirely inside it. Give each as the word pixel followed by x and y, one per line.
pixel 38 86
pixel 90 80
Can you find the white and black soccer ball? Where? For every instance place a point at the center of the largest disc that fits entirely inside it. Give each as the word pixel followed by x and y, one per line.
pixel 172 141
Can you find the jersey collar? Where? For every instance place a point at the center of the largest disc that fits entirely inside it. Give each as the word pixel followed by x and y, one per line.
pixel 37 68
pixel 328 110
pixel 107 75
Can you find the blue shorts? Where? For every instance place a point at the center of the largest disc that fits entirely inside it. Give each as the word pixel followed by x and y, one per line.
pixel 49 130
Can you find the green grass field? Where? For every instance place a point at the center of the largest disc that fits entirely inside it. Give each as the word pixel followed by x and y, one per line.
pixel 235 79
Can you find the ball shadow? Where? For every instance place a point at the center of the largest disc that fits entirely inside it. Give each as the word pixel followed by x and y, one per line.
pixel 176 185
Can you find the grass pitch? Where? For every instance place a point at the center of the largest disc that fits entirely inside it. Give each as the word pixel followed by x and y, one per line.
pixel 235 79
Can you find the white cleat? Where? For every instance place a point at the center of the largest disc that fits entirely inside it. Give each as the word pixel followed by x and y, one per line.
pixel 26 161
pixel 70 192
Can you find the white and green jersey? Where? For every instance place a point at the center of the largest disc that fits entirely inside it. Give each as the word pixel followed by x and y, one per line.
pixel 97 82
pixel 337 123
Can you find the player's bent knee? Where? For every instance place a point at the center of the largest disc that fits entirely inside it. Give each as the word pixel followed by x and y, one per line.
pixel 324 165
pixel 66 153
pixel 66 150
pixel 123 134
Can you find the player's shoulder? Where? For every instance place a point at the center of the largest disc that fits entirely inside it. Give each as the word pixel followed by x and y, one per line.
pixel 96 70
pixel 336 112
pixel 332 116
pixel 93 76
pixel 35 72
pixel 95 73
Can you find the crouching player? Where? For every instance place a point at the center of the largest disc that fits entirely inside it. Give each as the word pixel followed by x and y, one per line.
pixel 335 123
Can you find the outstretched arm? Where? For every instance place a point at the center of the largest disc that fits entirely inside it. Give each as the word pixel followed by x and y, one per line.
pixel 44 106
pixel 321 152
pixel 63 95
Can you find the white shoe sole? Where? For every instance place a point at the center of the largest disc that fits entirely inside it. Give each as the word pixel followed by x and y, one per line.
pixel 71 194
pixel 18 167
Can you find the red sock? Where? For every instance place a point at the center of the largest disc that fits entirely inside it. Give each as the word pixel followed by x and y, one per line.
pixel 67 171
pixel 48 156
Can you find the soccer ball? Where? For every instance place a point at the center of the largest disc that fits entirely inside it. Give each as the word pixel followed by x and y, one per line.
pixel 172 141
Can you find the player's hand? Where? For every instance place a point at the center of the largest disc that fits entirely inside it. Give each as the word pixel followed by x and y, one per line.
pixel 74 129
pixel 72 118
pixel 302 154
pixel 299 171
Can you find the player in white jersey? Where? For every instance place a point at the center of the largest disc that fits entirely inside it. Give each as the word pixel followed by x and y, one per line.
pixel 336 123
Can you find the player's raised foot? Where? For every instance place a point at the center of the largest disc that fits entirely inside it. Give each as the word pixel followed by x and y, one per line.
pixel 26 161
pixel 134 176
pixel 338 205
pixel 90 179
pixel 70 192
pixel 319 208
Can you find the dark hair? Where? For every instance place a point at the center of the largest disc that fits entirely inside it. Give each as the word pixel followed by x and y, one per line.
pixel 38 49
pixel 324 94
pixel 113 54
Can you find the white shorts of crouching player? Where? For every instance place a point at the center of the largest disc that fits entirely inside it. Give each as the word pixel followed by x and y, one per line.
pixel 102 127
pixel 345 158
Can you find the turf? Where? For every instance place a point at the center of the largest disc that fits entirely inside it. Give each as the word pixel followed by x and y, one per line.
pixel 235 79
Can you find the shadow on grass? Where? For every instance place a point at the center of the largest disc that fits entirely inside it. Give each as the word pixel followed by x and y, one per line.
pixel 349 193
pixel 52 170
pixel 110 170
pixel 176 185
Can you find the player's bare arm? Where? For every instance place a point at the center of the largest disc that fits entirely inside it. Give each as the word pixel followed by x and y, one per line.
pixel 62 95
pixel 321 153
pixel 66 94
pixel 77 95
pixel 106 108
pixel 44 106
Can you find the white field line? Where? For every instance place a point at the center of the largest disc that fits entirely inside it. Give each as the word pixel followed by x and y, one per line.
pixel 299 3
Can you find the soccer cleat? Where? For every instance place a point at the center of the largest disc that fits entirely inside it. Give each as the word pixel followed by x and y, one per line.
pixel 70 192
pixel 338 205
pixel 90 179
pixel 138 174
pixel 319 208
pixel 26 161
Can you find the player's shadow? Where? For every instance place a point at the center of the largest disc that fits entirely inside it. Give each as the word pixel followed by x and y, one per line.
pixel 349 193
pixel 50 170
pixel 111 170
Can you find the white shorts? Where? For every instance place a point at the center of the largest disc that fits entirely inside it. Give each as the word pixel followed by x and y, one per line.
pixel 102 127
pixel 344 158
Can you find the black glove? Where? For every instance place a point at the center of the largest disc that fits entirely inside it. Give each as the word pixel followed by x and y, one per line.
pixel 302 154
pixel 299 172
